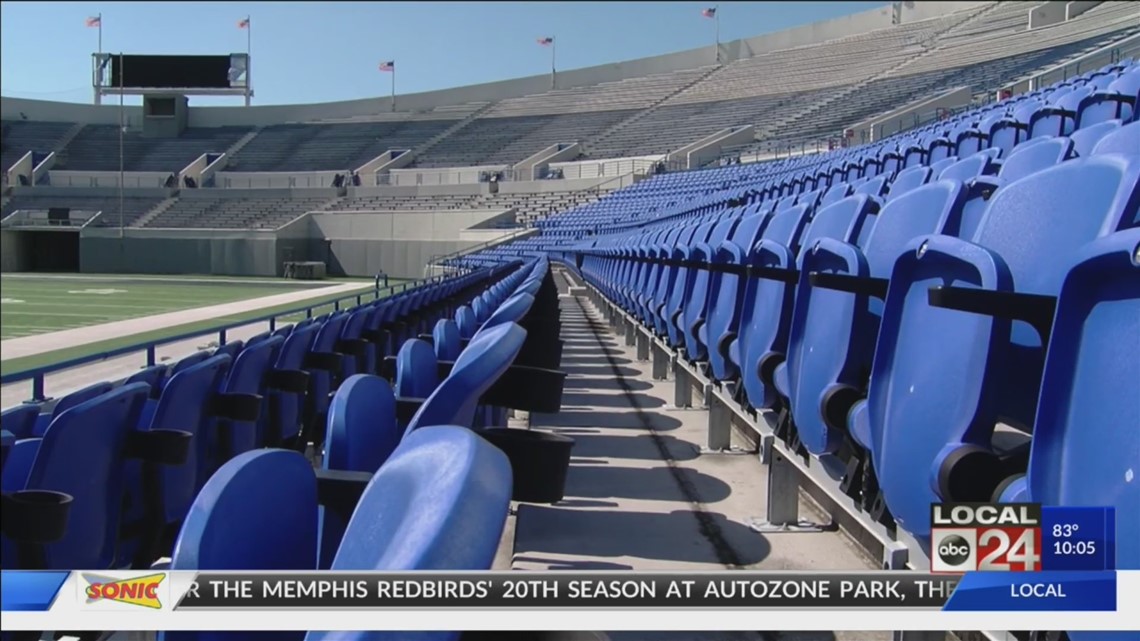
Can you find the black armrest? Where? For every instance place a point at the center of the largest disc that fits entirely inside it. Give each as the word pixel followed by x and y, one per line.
pixel 375 335
pixel 874 287
pixel 427 338
pixel 352 346
pixel 728 268
pixel 327 361
pixel 340 491
pixel 387 368
pixel 774 273
pixel 35 516
pixel 163 447
pixel 293 381
pixel 531 389
pixel 1035 309
pixel 406 408
pixel 236 407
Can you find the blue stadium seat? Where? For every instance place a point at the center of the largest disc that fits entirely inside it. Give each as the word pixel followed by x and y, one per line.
pixel 1083 452
pixel 80 455
pixel 1086 138
pixel 908 179
pixel 1117 101
pixel 837 315
pixel 20 420
pixel 1027 235
pixel 727 289
pixel 1125 140
pixel 482 362
pixel 249 374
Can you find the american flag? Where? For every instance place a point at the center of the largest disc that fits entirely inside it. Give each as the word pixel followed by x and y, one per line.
pixel 388 66
pixel 243 23
pixel 95 21
pixel 709 13
pixel 545 41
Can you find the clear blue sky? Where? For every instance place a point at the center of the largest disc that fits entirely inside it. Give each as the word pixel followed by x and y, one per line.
pixel 327 51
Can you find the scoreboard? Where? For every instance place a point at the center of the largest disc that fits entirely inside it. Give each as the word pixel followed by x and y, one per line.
pixel 133 74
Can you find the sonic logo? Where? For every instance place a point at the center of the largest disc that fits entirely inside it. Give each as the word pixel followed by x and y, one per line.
pixel 142 591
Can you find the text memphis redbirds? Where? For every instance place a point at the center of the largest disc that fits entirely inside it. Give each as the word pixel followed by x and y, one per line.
pixel 968 537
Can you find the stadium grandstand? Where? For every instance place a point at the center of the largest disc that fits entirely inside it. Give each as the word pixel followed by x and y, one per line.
pixel 893 256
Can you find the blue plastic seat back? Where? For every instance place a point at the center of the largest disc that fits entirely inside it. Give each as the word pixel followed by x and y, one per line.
pixel 484 359
pixel 937 166
pixel 445 339
pixel 320 379
pixel 1125 140
pixel 683 285
pixel 362 434
pixel 1117 100
pixel 231 348
pixel 20 420
pixel 875 186
pixel 727 294
pixel 247 376
pixel 1085 445
pixel 258 512
pixel 833 332
pixel 764 327
pixel 466 322
pixel 966 169
pixel 1086 138
pixel 81 454
pixel 480 307
pixel 834 193
pixel 1028 235
pixel 694 311
pixel 908 179
pixel 1028 159
pixel 416 369
pixel 438 503
pixel 67 402
pixel 152 376
pixel 511 311
pixel 285 412
pixel 184 405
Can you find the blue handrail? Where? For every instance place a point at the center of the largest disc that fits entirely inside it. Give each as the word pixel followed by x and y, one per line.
pixel 36 374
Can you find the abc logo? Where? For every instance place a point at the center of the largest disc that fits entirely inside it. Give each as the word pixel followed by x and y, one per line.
pixel 954 550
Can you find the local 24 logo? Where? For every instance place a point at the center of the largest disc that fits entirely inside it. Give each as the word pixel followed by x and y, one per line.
pixel 968 537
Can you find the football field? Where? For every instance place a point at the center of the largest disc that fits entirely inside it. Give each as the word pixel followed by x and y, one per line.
pixel 34 304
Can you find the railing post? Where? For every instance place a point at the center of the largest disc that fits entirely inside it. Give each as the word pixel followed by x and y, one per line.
pixel 38 388
pixel 221 337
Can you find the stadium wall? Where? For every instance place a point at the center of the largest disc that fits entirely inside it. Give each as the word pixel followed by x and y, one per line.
pixel 174 251
pixel 878 18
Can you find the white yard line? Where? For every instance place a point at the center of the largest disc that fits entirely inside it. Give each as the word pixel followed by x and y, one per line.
pixel 32 345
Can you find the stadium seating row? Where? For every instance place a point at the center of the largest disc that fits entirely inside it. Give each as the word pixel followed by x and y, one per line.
pixel 193 462
pixel 945 315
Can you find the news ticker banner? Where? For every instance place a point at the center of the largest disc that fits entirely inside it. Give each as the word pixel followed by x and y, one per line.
pixel 239 600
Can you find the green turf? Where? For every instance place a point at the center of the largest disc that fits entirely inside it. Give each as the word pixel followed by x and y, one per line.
pixel 49 304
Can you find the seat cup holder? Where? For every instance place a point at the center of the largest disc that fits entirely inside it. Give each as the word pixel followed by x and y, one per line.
pixel 539 462
pixel 36 516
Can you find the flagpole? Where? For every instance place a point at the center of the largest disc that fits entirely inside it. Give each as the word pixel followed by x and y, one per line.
pixel 122 124
pixel 553 53
pixel 717 45
pixel 100 16
pixel 393 86
pixel 248 54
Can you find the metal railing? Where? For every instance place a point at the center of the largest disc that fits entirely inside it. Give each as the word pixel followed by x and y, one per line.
pixel 36 374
